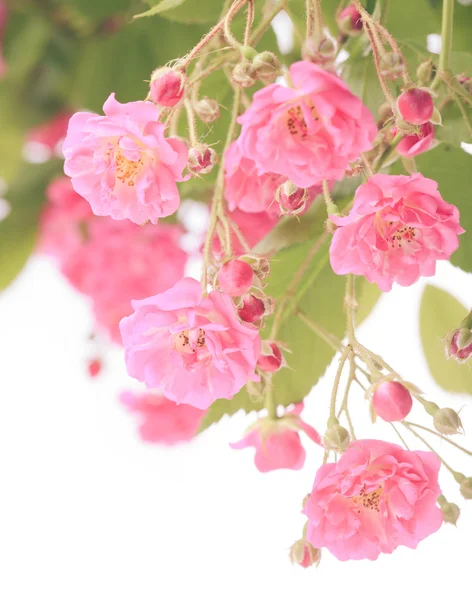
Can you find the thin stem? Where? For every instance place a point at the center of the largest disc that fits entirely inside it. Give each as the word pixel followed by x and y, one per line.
pixel 317 22
pixel 227 23
pixel 389 152
pixel 428 445
pixel 249 22
pixel 451 81
pixel 191 122
pixel 265 23
pixel 396 48
pixel 337 378
pixel 367 165
pixel 464 114
pixel 447 26
pixel 350 306
pixel 310 18
pixel 331 207
pixel 344 406
pixel 333 341
pixel 375 51
pixel 400 436
pixel 446 439
pixel 269 402
pixel 239 235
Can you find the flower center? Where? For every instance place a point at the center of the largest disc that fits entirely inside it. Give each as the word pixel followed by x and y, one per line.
pixel 400 237
pixel 127 170
pixel 188 342
pixel 296 122
pixel 368 500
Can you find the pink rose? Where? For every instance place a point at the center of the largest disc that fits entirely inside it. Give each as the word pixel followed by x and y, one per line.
pixel 397 229
pixel 192 346
pixel 122 163
pixel 162 421
pixel 119 261
pixel 277 442
pixel 375 498
pixel 412 145
pixel 308 132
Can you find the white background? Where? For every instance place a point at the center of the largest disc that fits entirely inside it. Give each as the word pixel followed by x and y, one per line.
pixel 90 513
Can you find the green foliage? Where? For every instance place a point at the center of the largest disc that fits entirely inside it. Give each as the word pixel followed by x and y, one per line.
pixel 18 231
pixel 440 312
pixel 161 7
pixel 183 11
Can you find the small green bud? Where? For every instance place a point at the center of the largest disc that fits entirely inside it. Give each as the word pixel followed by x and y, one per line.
pixel 267 66
pixel 447 421
pixel 337 438
pixel 466 488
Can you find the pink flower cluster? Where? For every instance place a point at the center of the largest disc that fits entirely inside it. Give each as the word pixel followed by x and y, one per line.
pixel 191 346
pixel 112 262
pixel 122 163
pixel 397 229
pixel 375 498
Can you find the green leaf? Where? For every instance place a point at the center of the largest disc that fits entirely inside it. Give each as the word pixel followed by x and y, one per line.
pixel 97 9
pixel 451 167
pixel 18 231
pixel 161 7
pixel 320 296
pixel 440 312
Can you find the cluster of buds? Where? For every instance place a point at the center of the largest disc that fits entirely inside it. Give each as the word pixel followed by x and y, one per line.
pixel 244 278
pixel 459 341
pixel 254 66
pixel 201 159
pixel 291 199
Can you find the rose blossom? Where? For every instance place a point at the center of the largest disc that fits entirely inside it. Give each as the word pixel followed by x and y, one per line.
pixel 119 261
pixel 397 229
pixel 375 498
pixel 309 132
pixel 160 420
pixel 122 163
pixel 191 346
pixel 277 442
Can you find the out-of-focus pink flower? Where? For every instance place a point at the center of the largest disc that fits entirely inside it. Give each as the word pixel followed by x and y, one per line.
pixel 309 132
pixel 162 421
pixel 412 145
pixel 277 442
pixel 120 262
pixel 397 229
pixel 375 498
pixel 3 23
pixel 62 220
pixel 192 347
pixel 50 134
pixel 122 164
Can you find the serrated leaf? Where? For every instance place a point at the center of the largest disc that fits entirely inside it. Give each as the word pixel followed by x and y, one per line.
pixel 19 229
pixel 163 6
pixel 440 312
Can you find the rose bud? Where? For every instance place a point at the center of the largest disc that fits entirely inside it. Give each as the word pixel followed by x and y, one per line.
pixel 304 554
pixel 271 358
pixel 466 488
pixel 349 21
pixel 244 74
pixel 254 309
pixel 267 66
pixel 451 512
pixel 447 421
pixel 235 277
pixel 392 65
pixel 416 106
pixel 424 72
pixel 412 145
pixel 391 401
pixel 201 159
pixel 337 438
pixel 459 342
pixel 207 109
pixel 167 86
pixel 292 199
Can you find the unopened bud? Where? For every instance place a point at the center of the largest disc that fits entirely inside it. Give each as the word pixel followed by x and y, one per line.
pixel 321 53
pixel 392 65
pixel 424 72
pixel 337 438
pixel 271 358
pixel 253 309
pixel 466 488
pixel 207 109
pixel 167 86
pixel 244 74
pixel 459 344
pixel 304 554
pixel 451 512
pixel 201 159
pixel 391 401
pixel 235 277
pixel 267 66
pixel 292 199
pixel 349 21
pixel 447 421
pixel 416 106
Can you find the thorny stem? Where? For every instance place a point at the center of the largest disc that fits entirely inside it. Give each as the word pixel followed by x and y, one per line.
pixel 443 437
pixel 375 51
pixel 310 17
pixel 331 207
pixel 332 341
pixel 227 23
pixel 191 121
pixel 428 445
pixel 217 207
pixel 446 40
pixel 249 22
pixel 337 378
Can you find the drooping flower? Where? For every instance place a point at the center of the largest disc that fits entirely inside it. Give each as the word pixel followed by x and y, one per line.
pixel 119 262
pixel 309 132
pixel 375 498
pixel 397 229
pixel 122 163
pixel 160 420
pixel 412 145
pixel 277 442
pixel 192 347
